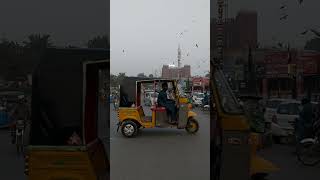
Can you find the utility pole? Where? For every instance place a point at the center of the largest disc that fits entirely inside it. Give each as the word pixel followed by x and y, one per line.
pixel 252 90
pixel 292 71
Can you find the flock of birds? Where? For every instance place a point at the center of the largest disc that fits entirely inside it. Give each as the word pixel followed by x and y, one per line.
pixel 284 16
pixel 284 7
pixel 196 45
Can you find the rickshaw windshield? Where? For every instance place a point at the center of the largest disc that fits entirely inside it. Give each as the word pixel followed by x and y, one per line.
pixel 228 101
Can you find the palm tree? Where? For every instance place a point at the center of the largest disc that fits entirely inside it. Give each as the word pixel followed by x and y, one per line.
pixel 38 41
pixel 99 42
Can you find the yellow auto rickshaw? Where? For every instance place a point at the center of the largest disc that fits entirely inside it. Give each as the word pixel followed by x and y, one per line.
pixel 69 137
pixel 234 145
pixel 132 114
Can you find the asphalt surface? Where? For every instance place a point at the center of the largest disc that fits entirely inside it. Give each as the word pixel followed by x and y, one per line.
pixel 161 154
pixel 164 154
pixel 289 167
pixel 11 165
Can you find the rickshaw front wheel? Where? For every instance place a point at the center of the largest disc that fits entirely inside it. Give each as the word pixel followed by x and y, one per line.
pixel 192 126
pixel 129 128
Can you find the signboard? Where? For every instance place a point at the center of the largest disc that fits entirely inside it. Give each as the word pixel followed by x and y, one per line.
pixel 276 58
pixel 310 66
pixel 276 69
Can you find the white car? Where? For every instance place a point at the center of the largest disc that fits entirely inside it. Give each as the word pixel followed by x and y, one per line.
pixel 271 108
pixel 284 117
pixel 197 98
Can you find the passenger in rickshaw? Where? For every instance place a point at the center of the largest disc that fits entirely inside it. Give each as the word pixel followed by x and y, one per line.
pixel 169 104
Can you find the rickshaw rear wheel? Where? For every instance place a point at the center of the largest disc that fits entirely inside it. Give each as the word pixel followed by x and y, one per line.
pixel 129 128
pixel 192 126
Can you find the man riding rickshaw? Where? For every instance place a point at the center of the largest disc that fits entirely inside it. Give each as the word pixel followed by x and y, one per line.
pixel 170 111
pixel 69 123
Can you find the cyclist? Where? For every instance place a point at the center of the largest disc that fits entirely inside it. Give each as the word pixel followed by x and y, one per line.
pixel 20 112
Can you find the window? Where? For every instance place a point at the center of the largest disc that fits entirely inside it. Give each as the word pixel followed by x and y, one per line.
pixel 273 103
pixel 283 109
pixel 228 101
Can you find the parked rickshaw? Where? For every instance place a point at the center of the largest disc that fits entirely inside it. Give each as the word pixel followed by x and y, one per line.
pixel 131 114
pixel 69 136
pixel 234 145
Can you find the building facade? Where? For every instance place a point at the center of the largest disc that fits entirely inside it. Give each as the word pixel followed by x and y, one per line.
pixel 173 72
pixel 239 32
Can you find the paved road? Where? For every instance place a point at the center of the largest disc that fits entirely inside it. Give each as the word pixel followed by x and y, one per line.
pixel 11 166
pixel 290 167
pixel 161 154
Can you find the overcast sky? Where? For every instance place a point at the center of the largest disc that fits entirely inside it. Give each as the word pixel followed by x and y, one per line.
pixel 270 28
pixel 148 31
pixel 70 22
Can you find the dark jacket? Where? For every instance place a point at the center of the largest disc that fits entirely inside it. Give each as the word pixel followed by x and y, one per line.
pixel 162 99
pixel 306 115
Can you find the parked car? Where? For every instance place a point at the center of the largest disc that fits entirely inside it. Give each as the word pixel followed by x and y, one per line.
pixel 271 108
pixel 197 99
pixel 286 113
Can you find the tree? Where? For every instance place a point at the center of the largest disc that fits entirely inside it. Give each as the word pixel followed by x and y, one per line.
pixel 150 75
pixel 313 44
pixel 208 75
pixel 99 42
pixel 38 41
pixel 121 77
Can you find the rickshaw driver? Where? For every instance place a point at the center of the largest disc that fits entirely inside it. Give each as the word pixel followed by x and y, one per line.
pixel 169 104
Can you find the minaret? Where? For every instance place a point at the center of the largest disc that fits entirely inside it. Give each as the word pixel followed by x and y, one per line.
pixel 179 56
pixel 179 62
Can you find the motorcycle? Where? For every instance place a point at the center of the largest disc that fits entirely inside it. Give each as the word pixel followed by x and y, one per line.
pixel 205 107
pixel 308 149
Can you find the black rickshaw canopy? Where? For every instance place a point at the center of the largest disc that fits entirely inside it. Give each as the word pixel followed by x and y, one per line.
pixel 59 93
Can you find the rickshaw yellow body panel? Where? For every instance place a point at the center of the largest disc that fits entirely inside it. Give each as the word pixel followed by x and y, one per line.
pixel 260 165
pixel 231 122
pixel 59 164
pixel 191 114
pixel 125 113
pixel 183 100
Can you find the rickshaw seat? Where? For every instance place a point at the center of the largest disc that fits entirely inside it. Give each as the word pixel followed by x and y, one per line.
pixel 158 108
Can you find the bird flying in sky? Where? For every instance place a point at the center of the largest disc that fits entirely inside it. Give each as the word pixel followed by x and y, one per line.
pixel 304 32
pixel 317 33
pixel 284 17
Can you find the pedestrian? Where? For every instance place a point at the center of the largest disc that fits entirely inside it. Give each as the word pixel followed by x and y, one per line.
pixel 21 112
pixel 305 121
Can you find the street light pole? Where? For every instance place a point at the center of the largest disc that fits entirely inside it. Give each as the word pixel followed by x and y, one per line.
pixel 292 72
